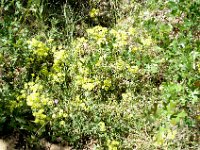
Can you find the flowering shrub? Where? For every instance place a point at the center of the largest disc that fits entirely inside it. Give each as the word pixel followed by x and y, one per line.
pixel 127 87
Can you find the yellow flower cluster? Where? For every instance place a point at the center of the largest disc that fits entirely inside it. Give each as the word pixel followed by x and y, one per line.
pixel 86 83
pixel 40 117
pixel 77 104
pixel 121 38
pixel 122 65
pixel 146 41
pixel 94 12
pixel 98 34
pixel 40 49
pixel 57 73
pixel 131 31
pixel 59 113
pixel 112 145
pixel 37 100
pixel 59 56
pixel 107 84
pixel 102 126
pixel 80 46
pixel 126 97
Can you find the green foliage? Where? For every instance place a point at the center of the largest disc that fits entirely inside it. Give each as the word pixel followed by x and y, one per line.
pixel 129 85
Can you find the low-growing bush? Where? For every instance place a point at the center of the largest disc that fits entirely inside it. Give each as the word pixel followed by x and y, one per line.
pixel 134 85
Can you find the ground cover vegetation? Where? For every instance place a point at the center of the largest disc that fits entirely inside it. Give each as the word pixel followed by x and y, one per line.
pixel 101 74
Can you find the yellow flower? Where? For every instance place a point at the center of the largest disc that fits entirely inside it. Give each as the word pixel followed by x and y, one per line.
pixel 32 98
pixel 131 31
pixel 126 96
pixel 54 116
pixel 62 123
pixel 107 84
pixel 133 69
pixel 50 103
pixel 59 77
pixel 114 32
pixel 65 115
pixel 83 106
pixel 60 113
pixel 32 74
pixel 134 49
pixel 59 56
pixel 88 86
pixel 38 47
pixel 94 12
pixel 146 41
pixel 171 134
pixel 112 145
pixel 98 34
pixel 120 64
pixel 102 126
pixel 44 100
